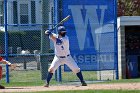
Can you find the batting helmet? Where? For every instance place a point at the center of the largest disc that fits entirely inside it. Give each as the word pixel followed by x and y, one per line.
pixel 61 29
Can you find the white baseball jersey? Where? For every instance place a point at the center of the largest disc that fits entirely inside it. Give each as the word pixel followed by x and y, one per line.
pixel 62 55
pixel 63 48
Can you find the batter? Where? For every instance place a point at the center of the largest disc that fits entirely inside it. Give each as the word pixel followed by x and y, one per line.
pixel 62 55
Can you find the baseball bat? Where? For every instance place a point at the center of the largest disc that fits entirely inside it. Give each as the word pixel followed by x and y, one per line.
pixel 61 22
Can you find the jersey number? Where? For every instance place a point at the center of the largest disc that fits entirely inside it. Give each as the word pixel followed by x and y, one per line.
pixel 62 47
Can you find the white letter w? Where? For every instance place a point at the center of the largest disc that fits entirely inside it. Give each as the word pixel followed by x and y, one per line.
pixel 90 17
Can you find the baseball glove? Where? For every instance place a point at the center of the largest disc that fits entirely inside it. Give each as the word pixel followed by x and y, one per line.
pixel 14 66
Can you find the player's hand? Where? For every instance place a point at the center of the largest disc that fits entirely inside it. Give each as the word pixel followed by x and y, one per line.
pixel 12 66
pixel 48 32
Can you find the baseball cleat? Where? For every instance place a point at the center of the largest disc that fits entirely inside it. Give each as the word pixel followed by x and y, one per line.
pixel 2 87
pixel 84 83
pixel 46 85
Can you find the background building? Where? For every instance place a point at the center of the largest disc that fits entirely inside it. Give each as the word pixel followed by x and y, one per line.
pixel 129 46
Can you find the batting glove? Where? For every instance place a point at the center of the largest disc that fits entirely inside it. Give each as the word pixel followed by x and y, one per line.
pixel 48 32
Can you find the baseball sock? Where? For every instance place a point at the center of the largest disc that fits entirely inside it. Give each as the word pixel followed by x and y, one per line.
pixel 49 77
pixel 80 76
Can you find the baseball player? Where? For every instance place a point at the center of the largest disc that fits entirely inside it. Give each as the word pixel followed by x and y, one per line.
pixel 62 55
pixel 4 62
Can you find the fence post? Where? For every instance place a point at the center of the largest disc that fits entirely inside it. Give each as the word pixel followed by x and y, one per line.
pixel 116 40
pixel 37 57
pixel 45 44
pixel 6 39
pixel 58 75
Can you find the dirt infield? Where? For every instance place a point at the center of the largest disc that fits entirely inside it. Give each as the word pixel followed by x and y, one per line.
pixel 118 86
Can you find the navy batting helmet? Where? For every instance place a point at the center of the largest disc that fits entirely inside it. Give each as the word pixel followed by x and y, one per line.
pixel 61 29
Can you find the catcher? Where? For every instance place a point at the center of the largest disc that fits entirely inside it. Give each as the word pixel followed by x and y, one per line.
pixel 9 64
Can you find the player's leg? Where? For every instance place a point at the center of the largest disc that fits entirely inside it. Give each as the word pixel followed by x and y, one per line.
pixel 80 76
pixel 54 65
pixel 74 67
pixel 0 72
pixel 1 87
pixel 48 79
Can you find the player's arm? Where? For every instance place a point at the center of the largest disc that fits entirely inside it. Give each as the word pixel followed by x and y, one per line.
pixel 51 35
pixel 12 66
pixel 4 61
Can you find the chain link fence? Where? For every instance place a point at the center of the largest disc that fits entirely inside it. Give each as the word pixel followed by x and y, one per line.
pixel 29 47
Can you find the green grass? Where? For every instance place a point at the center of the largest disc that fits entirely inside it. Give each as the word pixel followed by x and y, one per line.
pixel 24 78
pixel 33 78
pixel 135 80
pixel 90 91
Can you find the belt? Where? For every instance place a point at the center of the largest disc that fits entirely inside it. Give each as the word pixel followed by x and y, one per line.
pixel 64 56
